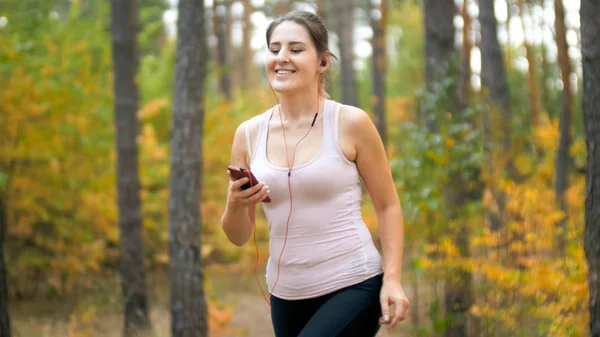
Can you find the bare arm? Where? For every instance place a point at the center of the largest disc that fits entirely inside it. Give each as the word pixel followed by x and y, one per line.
pixel 237 220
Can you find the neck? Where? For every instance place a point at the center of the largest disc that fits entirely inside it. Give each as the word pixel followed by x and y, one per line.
pixel 299 106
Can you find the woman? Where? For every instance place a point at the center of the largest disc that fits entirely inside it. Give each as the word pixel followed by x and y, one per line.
pixel 325 276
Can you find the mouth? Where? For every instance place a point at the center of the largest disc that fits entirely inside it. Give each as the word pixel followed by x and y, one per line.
pixel 284 72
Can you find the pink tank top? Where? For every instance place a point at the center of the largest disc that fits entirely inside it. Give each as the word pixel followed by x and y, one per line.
pixel 328 245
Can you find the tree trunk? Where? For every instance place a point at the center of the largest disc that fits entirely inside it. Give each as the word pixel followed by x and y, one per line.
pixel 566 117
pixel 439 47
pixel 221 17
pixel 4 318
pixel 320 11
pixel 188 302
pixel 493 70
pixel 379 66
pixel 245 60
pixel 534 102
pixel 590 45
pixel 282 7
pixel 467 46
pixel 441 62
pixel 345 31
pixel 124 23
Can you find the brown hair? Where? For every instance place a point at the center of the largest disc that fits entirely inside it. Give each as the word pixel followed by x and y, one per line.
pixel 318 33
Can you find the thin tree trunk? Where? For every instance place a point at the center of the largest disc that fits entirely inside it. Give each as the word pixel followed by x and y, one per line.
pixel 4 318
pixel 282 7
pixel 188 302
pixel 125 26
pixel 467 46
pixel 534 102
pixel 566 117
pixel 247 52
pixel 345 31
pixel 590 44
pixel 320 11
pixel 379 66
pixel 221 17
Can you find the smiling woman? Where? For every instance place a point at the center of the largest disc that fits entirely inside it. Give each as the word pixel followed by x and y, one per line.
pixel 309 153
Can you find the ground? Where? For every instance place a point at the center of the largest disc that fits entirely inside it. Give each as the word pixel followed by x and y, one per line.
pixel 98 313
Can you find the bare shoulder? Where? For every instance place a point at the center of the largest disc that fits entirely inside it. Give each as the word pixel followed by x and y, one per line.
pixel 239 149
pixel 356 126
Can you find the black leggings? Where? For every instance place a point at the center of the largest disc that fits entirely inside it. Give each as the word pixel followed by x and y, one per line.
pixel 349 312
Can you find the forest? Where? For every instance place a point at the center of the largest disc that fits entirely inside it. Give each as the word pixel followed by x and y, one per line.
pixel 116 124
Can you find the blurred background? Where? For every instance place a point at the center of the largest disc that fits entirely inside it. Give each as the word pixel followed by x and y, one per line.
pixel 477 102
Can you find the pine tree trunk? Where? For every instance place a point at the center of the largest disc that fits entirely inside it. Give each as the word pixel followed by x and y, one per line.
pixel 125 26
pixel 493 70
pixel 467 46
pixel 566 119
pixel 441 63
pixel 4 318
pixel 439 47
pixel 320 11
pixel 282 7
pixel 345 31
pixel 590 44
pixel 248 54
pixel 379 66
pixel 534 103
pixel 188 301
pixel 221 17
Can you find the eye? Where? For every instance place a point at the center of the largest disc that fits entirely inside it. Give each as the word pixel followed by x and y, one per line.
pixel 296 51
pixel 274 51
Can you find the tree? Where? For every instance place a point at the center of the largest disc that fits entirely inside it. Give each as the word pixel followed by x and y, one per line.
pixel 345 32
pixel 441 62
pixel 493 70
pixel 379 66
pixel 222 15
pixel 590 45
pixel 124 24
pixel 4 319
pixel 561 179
pixel 188 302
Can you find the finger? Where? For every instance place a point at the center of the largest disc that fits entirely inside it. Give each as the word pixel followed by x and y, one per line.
pixel 401 311
pixel 385 309
pixel 260 195
pixel 252 190
pixel 237 184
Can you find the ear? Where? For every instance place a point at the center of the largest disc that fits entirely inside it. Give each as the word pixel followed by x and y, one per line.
pixel 325 62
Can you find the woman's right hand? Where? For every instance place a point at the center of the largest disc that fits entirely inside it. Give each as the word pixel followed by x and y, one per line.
pixel 238 198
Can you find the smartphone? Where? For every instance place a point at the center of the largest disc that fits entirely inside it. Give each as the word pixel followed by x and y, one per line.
pixel 240 172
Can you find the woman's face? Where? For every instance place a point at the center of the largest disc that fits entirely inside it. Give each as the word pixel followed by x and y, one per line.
pixel 292 62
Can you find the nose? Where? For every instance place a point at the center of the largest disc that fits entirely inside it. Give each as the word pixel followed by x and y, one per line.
pixel 282 57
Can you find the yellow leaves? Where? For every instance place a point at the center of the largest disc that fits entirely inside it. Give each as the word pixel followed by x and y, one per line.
pixel 152 108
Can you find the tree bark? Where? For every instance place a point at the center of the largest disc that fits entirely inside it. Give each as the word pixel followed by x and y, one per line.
pixel 247 57
pixel 124 22
pixel 590 45
pixel 439 47
pixel 345 31
pixel 534 102
pixel 441 62
pixel 320 10
pixel 379 66
pixel 221 18
pixel 467 46
pixel 188 302
pixel 282 7
pixel 566 119
pixel 4 318
pixel 493 70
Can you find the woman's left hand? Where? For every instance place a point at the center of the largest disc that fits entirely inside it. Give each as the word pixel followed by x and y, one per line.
pixel 393 294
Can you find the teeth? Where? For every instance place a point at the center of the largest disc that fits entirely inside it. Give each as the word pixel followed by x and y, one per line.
pixel 284 71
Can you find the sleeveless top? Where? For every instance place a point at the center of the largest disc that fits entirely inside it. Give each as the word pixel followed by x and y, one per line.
pixel 328 245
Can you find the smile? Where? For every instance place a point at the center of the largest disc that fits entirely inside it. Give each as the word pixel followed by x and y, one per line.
pixel 284 71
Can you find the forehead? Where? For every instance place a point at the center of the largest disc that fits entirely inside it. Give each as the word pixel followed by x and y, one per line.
pixel 290 31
